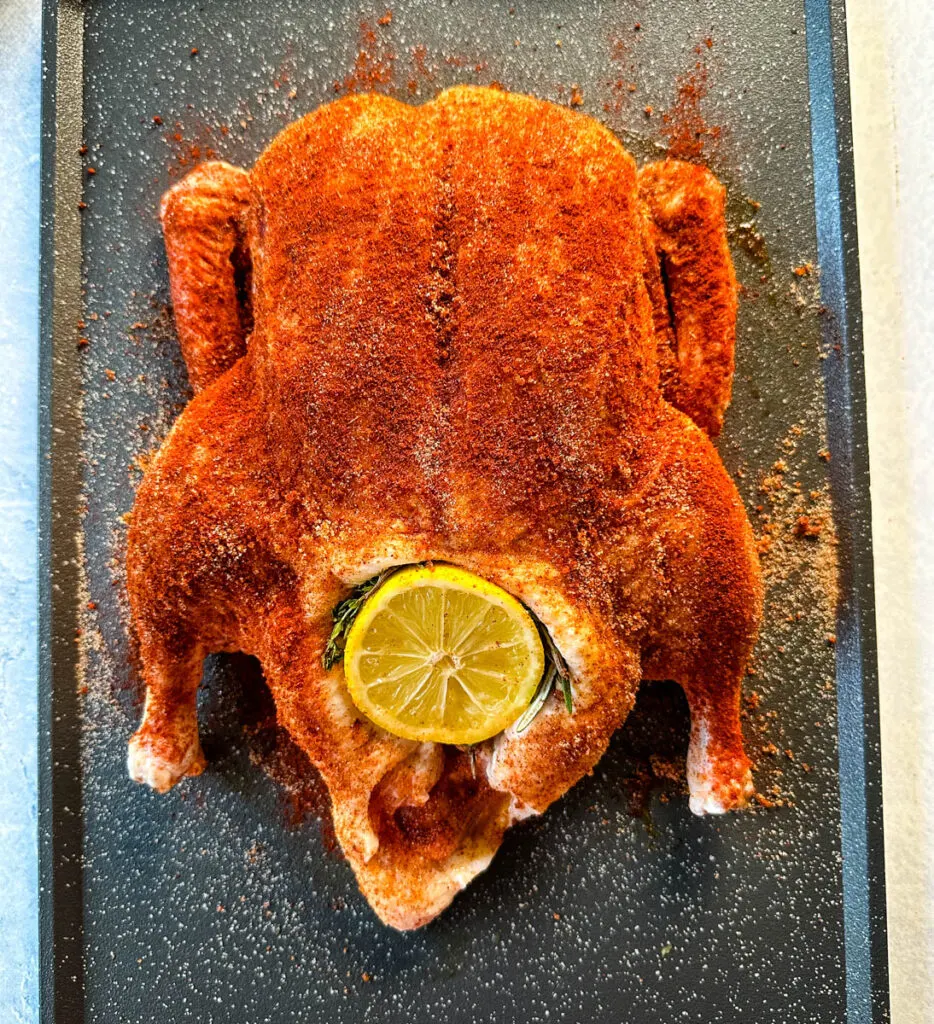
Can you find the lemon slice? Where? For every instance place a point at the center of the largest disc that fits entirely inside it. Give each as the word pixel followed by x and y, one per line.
pixel 439 654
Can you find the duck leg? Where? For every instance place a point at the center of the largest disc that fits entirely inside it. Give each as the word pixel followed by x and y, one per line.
pixel 200 568
pixel 706 612
pixel 169 556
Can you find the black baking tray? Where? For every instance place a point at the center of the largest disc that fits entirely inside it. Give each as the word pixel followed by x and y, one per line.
pixel 225 900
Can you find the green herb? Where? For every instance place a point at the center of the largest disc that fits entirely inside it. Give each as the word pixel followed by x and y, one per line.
pixel 556 672
pixel 345 614
pixel 538 701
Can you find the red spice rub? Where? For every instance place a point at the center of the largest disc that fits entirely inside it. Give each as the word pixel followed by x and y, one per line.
pixel 455 357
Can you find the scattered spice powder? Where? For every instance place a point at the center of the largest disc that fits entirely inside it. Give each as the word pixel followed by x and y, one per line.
pixel 303 792
pixel 621 84
pixel 373 65
pixel 687 132
pixel 806 527
pixel 421 72
pixel 186 153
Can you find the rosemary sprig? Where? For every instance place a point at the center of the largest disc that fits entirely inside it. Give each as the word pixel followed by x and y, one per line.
pixel 560 665
pixel 346 612
pixel 556 672
pixel 538 701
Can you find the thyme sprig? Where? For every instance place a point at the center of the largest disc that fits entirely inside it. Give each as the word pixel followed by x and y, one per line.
pixel 346 612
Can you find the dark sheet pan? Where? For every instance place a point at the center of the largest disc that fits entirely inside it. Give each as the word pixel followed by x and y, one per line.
pixel 225 901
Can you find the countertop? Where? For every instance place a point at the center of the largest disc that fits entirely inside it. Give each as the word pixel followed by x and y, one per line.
pixel 892 74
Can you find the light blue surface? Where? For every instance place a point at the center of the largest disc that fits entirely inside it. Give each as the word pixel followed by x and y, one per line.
pixel 850 730
pixel 19 276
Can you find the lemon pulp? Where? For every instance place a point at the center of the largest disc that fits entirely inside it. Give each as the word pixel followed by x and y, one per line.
pixel 438 654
